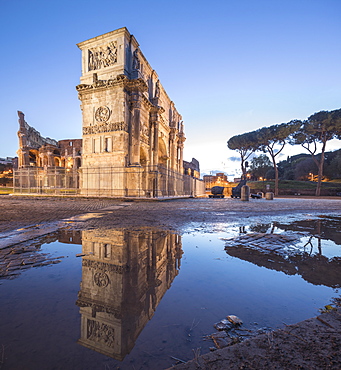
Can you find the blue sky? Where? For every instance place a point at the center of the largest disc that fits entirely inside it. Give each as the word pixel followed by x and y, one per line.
pixel 229 66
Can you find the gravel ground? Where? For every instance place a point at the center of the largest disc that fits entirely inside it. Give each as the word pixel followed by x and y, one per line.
pixel 177 214
pixel 312 344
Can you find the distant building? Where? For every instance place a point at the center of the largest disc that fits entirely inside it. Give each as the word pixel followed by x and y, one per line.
pixel 7 161
pixel 219 179
pixel 38 151
pixel 192 168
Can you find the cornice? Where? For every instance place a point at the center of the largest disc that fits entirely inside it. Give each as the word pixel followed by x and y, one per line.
pixel 88 43
pixel 121 80
pixel 157 109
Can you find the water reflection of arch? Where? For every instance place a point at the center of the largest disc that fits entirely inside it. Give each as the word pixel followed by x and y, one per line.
pixel 124 277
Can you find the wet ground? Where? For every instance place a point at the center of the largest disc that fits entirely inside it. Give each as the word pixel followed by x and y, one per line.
pixel 89 283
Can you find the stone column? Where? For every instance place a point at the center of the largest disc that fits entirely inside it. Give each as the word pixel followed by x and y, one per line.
pixel 134 140
pixel 23 157
pixel 182 139
pixel 154 118
pixel 172 149
pixel 151 143
pixel 40 157
pixel 172 162
pixel 180 157
pixel 50 159
pixel 156 190
pixel 156 143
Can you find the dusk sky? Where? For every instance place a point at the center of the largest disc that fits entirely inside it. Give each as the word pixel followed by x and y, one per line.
pixel 229 66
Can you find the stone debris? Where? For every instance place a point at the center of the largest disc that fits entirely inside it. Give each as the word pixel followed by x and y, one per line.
pixel 18 258
pixel 223 325
pixel 230 332
pixel 221 340
pixel 311 344
pixel 234 320
pixel 265 241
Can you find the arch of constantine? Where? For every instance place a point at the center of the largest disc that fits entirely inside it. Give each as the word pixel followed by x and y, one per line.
pixel 132 134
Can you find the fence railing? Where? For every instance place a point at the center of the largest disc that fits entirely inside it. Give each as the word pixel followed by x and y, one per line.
pixel 146 182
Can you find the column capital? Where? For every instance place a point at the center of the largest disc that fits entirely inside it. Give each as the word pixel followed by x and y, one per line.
pixel 135 104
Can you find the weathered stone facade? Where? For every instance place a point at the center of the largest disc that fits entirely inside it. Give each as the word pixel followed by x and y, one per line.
pixel 129 122
pixel 192 168
pixel 44 162
pixel 38 151
pixel 132 134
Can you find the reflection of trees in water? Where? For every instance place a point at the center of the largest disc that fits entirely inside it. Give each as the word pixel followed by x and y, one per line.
pixel 313 267
pixel 262 228
pixel 325 227
pixel 316 269
pixel 309 243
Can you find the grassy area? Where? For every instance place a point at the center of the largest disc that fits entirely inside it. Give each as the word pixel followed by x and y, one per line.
pixel 291 187
pixel 6 190
pixel 291 184
pixel 336 181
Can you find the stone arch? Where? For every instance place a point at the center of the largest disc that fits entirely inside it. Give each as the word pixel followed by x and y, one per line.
pixel 34 157
pixel 57 161
pixel 78 162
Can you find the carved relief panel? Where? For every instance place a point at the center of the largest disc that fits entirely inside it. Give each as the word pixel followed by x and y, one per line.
pixel 102 56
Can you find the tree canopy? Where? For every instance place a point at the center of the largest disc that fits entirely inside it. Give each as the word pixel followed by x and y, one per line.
pixel 260 166
pixel 319 128
pixel 272 140
pixel 311 133
pixel 245 145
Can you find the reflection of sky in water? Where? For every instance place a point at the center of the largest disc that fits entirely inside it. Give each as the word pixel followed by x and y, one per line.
pixel 232 286
pixel 328 248
pixel 40 322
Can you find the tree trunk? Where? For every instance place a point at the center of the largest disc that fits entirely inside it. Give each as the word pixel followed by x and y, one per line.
pixel 320 171
pixel 243 168
pixel 276 173
pixel 319 177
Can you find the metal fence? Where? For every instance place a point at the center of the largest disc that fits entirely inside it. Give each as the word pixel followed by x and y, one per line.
pixel 50 180
pixel 146 182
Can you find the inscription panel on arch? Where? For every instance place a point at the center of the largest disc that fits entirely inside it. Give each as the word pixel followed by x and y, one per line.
pixel 105 127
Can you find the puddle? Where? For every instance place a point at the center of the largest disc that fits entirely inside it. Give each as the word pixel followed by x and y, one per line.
pixel 144 298
pixel 309 248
